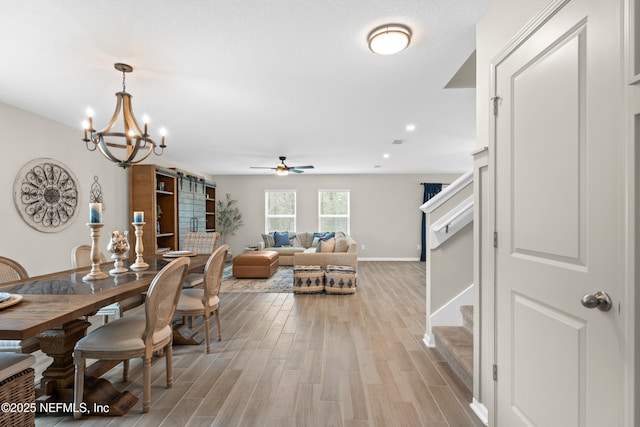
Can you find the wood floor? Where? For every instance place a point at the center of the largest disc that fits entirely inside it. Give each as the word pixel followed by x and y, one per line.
pixel 307 360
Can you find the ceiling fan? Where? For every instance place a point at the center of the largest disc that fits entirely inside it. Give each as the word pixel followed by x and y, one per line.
pixel 282 168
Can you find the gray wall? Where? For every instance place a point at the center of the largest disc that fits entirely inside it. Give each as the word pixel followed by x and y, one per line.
pixel 384 208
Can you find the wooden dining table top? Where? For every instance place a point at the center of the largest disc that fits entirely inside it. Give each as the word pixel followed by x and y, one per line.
pixel 51 300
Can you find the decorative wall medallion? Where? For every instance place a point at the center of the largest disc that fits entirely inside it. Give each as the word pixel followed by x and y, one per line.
pixel 45 193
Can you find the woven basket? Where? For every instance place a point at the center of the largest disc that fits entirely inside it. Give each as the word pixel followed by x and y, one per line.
pixel 340 279
pixel 308 279
pixel 18 388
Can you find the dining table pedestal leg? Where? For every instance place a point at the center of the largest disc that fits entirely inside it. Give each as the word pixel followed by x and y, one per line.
pixel 58 343
pixel 57 380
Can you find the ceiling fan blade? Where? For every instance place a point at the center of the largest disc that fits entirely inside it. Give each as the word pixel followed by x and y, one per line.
pixel 301 167
pixel 260 167
pixel 294 170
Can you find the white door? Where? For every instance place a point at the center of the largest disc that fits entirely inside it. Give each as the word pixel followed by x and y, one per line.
pixel 559 220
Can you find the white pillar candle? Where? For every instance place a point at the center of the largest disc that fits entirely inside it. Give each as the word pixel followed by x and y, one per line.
pixel 95 213
pixel 138 216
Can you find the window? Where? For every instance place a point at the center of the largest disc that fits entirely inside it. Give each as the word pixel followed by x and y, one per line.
pixel 279 210
pixel 333 210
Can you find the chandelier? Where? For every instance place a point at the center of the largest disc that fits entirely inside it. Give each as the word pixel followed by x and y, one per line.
pixel 137 142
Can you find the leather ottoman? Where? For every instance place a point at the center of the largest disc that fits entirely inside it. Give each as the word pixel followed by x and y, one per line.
pixel 256 264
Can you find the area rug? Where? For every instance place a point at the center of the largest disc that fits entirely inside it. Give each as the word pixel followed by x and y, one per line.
pixel 281 281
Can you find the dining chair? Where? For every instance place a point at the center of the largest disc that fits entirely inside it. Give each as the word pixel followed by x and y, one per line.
pixel 136 336
pixel 195 302
pixel 198 242
pixel 11 271
pixel 81 257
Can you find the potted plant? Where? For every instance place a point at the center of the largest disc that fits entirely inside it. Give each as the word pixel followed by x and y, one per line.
pixel 228 218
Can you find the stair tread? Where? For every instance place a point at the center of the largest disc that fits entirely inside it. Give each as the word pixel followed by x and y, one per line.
pixel 455 344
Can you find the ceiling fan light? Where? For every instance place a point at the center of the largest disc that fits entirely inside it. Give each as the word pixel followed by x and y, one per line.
pixel 389 39
pixel 282 170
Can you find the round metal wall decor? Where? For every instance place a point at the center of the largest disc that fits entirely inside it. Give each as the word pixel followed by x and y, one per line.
pixel 46 195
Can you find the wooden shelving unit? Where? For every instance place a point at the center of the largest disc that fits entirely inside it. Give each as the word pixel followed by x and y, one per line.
pixel 152 187
pixel 210 206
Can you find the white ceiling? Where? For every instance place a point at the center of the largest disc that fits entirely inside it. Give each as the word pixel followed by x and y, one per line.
pixel 239 83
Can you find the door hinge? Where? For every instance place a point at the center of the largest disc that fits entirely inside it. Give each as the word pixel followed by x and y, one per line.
pixel 495 239
pixel 495 372
pixel 496 102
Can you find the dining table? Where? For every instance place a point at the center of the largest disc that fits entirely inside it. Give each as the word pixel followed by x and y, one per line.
pixel 55 308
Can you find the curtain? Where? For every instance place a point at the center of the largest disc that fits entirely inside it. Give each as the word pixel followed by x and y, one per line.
pixel 430 190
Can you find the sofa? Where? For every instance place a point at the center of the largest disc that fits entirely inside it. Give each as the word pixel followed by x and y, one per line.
pixel 308 248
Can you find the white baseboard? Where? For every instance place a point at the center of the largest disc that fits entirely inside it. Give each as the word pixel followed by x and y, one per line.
pixel 429 341
pixel 480 410
pixel 449 314
pixel 387 259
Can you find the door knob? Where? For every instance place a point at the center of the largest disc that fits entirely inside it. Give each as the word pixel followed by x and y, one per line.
pixel 600 300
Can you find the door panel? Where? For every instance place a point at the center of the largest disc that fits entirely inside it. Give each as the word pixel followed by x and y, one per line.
pixel 558 153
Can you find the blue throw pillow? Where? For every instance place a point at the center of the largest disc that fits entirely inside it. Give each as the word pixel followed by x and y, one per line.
pixel 281 239
pixel 324 235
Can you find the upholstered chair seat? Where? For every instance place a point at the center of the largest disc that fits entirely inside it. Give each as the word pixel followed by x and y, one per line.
pixel 125 335
pixel 191 299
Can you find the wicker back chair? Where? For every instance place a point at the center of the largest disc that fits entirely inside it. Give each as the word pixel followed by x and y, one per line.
pixel 80 258
pixel 136 336
pixel 195 302
pixel 198 242
pixel 10 271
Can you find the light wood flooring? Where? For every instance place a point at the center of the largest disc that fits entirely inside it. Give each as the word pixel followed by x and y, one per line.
pixel 306 360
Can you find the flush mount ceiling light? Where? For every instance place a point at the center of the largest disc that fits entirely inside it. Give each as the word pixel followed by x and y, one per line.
pixel 137 145
pixel 389 39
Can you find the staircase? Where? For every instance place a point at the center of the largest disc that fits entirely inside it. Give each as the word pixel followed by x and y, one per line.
pixel 455 344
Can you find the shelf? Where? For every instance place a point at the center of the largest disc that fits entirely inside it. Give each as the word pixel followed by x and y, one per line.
pixel 209 230
pixel 164 192
pixel 164 235
pixel 209 213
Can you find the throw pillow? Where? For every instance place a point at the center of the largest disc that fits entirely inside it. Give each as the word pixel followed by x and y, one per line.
pixel 327 245
pixel 315 243
pixel 342 245
pixel 269 241
pixel 281 239
pixel 295 241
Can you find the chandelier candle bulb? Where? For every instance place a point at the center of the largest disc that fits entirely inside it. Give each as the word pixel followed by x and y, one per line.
pixel 138 217
pixel 95 213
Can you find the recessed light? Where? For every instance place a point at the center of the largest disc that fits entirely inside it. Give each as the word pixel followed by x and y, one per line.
pixel 377 166
pixel 385 155
pixel 396 142
pixel 411 128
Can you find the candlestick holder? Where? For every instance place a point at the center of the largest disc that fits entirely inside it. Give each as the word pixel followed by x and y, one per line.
pixel 139 264
pixel 95 273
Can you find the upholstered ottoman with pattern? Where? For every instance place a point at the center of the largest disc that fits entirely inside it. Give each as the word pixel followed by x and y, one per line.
pixel 17 385
pixel 308 279
pixel 340 279
pixel 256 264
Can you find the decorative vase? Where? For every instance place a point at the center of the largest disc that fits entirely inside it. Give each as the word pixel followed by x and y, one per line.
pixel 118 246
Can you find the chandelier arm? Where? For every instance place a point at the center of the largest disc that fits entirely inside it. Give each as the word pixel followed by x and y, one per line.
pixel 114 118
pixel 128 117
